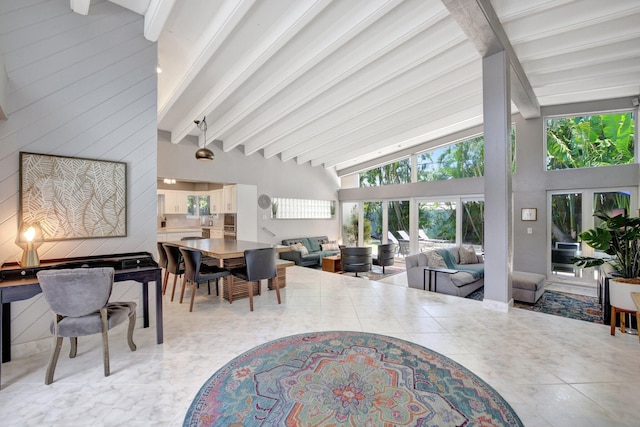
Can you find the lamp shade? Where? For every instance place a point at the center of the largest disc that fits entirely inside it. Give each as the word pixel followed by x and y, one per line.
pixel 29 239
pixel 205 154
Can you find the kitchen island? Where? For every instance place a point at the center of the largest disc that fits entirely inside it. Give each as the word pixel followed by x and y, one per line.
pixel 230 254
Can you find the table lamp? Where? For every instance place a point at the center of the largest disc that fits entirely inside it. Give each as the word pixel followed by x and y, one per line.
pixel 30 239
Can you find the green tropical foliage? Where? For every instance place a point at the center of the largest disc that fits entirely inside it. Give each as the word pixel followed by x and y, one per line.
pixel 438 220
pixel 462 160
pixel 472 227
pixel 618 236
pixel 393 173
pixel 350 228
pixel 590 141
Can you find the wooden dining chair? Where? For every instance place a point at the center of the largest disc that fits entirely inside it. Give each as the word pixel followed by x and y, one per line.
pixel 260 264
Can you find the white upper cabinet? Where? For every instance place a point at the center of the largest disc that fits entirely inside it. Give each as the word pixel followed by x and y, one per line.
pixel 175 201
pixel 230 199
pixel 216 201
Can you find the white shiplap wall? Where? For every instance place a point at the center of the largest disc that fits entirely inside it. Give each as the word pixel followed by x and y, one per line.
pixel 82 86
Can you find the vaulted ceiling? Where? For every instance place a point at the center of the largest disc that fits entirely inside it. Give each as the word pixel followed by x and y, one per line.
pixel 341 82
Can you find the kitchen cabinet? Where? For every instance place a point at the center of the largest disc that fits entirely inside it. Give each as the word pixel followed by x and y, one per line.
pixel 216 201
pixel 230 198
pixel 175 201
pixel 173 235
pixel 212 233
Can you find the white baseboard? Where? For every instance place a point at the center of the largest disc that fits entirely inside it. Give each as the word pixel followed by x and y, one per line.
pixel 500 306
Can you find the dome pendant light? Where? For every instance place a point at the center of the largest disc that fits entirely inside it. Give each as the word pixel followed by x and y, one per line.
pixel 204 153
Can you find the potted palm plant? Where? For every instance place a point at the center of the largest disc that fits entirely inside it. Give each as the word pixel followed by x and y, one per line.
pixel 618 236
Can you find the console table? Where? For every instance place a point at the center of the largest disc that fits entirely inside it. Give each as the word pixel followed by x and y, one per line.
pixel 434 271
pixel 17 284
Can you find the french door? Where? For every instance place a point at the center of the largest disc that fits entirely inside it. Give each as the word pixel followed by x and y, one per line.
pixel 569 214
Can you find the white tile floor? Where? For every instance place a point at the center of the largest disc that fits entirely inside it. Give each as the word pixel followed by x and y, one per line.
pixel 553 371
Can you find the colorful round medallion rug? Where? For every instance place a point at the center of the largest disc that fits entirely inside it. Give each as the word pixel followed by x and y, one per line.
pixel 346 379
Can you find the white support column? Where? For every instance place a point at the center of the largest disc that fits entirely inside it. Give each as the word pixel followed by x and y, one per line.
pixel 360 223
pixel 385 221
pixel 414 246
pixel 497 188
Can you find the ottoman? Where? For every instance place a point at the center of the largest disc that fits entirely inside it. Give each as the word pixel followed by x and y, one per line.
pixel 527 287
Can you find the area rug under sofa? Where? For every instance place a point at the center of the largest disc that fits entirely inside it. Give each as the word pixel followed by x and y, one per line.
pixel 346 379
pixel 580 307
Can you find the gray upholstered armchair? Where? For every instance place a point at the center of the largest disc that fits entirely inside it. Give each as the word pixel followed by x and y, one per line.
pixel 355 259
pixel 79 301
pixel 386 255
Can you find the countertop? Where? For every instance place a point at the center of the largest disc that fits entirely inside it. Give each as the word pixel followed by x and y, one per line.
pixel 178 229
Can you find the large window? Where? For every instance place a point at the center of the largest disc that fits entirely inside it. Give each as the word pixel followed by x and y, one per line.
pixel 351 224
pixel 393 173
pixel 463 159
pixel 473 223
pixel 590 141
pixel 437 224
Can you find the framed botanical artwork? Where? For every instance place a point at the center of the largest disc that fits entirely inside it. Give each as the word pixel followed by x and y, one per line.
pixel 529 214
pixel 73 198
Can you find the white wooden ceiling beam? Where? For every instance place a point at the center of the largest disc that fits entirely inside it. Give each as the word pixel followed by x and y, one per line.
pixel 479 21
pixel 348 62
pixel 80 7
pixel 319 48
pixel 411 134
pixel 248 64
pixel 403 68
pixel 439 84
pixel 388 126
pixel 231 13
pixel 155 17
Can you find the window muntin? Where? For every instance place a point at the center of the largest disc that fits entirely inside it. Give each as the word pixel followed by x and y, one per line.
pixel 590 141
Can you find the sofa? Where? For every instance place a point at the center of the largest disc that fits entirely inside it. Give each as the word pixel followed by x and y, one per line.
pixel 464 270
pixel 309 251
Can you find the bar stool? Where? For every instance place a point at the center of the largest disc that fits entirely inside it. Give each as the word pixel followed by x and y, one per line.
pixel 259 264
pixel 175 265
pixel 196 272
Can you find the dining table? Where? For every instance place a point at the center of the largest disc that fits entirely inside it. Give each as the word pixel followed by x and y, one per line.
pixel 229 253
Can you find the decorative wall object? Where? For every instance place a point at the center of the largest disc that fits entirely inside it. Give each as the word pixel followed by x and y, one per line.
pixel 73 198
pixel 529 214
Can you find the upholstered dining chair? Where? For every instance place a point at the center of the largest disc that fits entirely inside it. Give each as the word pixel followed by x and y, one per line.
pixel 79 299
pixel 622 303
pixel 196 272
pixel 163 263
pixel 260 264
pixel 175 265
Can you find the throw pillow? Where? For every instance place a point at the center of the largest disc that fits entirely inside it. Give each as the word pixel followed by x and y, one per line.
pixel 435 260
pixel 300 248
pixel 329 247
pixel 467 255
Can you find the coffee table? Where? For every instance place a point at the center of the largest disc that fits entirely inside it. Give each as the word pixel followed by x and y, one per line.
pixel 331 264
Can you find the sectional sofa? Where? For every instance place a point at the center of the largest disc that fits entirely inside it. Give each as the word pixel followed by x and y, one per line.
pixel 309 251
pixel 465 273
